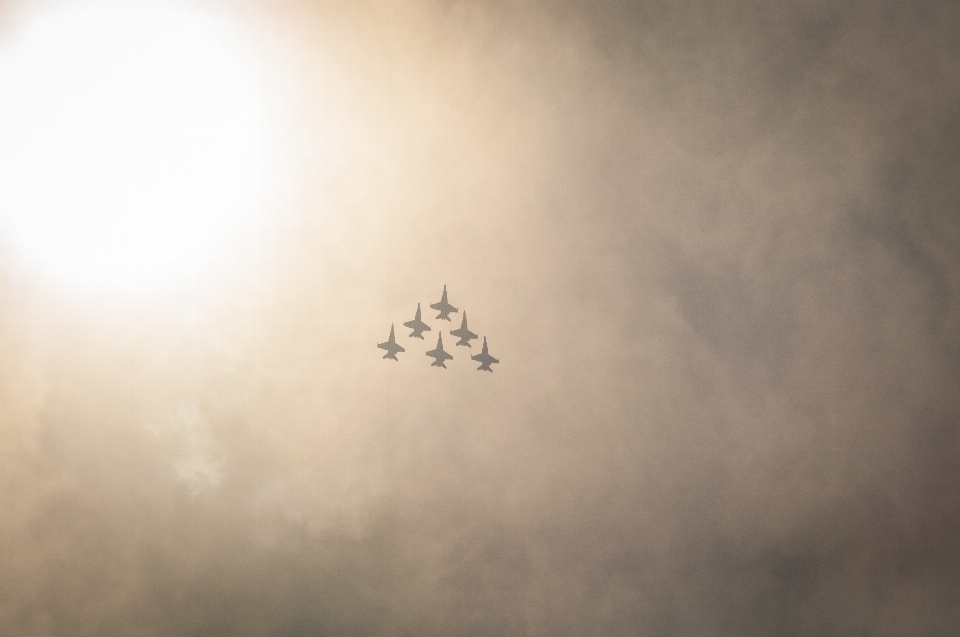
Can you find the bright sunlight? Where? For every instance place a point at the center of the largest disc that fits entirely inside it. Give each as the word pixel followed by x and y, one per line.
pixel 133 153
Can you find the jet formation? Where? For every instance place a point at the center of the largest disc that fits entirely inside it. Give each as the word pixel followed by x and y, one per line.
pixel 440 355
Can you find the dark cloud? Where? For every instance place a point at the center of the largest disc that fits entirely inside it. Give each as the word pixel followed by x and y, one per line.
pixel 715 249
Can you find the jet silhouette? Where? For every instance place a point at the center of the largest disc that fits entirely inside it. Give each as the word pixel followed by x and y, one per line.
pixel 439 354
pixel 484 358
pixel 464 334
pixel 443 307
pixel 418 326
pixel 391 346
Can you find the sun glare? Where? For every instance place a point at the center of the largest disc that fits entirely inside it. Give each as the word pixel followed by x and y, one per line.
pixel 132 147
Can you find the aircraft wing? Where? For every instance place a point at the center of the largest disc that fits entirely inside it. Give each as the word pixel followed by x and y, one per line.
pixel 446 308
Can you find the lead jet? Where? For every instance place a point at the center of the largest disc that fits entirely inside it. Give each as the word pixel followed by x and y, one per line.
pixel 439 354
pixel 443 307
pixel 484 358
pixel 391 346
pixel 464 334
pixel 418 326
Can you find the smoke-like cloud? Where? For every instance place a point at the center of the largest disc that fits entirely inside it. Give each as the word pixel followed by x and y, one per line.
pixel 716 251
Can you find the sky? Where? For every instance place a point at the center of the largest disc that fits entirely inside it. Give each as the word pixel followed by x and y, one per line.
pixel 714 247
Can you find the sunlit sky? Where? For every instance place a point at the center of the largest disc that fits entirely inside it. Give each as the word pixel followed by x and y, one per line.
pixel 138 143
pixel 714 247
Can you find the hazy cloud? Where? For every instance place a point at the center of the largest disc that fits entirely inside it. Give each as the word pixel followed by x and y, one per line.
pixel 715 249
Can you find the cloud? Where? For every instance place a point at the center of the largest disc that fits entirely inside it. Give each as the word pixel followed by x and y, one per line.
pixel 197 465
pixel 714 248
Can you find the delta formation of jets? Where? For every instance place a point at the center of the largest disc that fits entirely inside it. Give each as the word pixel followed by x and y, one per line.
pixel 439 354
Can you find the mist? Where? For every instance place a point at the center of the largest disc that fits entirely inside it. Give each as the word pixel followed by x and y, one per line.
pixel 715 249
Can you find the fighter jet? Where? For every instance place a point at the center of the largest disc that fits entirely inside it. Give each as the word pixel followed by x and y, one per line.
pixel 391 346
pixel 418 326
pixel 484 358
pixel 464 334
pixel 443 307
pixel 439 354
